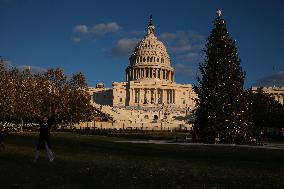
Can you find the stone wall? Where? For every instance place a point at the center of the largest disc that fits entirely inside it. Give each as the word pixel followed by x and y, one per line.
pixel 276 92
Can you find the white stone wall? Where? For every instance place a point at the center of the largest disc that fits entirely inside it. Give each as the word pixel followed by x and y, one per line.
pixel 102 96
pixel 276 92
pixel 119 94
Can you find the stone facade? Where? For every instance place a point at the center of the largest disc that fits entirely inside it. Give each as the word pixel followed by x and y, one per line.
pixel 149 85
pixel 276 92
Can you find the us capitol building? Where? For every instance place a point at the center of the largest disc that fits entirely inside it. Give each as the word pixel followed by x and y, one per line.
pixel 149 92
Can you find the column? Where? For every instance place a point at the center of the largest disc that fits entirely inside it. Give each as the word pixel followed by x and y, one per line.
pixel 165 96
pixel 147 95
pixel 156 72
pixel 135 73
pixel 139 95
pixel 157 96
pixel 130 96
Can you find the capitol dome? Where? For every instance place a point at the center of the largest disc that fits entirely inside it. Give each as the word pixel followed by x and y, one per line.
pixel 150 59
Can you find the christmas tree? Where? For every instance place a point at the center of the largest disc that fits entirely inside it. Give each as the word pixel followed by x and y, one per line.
pixel 223 109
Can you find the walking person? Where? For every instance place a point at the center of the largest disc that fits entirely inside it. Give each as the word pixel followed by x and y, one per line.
pixel 43 142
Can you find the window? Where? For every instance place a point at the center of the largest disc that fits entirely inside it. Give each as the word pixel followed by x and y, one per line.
pixel 120 100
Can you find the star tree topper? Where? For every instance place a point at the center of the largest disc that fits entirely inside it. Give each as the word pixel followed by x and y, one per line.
pixel 219 12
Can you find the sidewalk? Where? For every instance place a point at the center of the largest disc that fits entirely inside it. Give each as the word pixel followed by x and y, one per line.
pixel 272 146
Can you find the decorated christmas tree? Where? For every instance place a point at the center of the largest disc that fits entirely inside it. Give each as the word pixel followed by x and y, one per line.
pixel 222 114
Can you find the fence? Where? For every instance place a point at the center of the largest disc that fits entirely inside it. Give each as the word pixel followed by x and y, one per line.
pixel 95 125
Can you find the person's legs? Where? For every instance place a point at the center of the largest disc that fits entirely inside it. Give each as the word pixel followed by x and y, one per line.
pixel 36 155
pixel 40 144
pixel 49 151
pixel 3 145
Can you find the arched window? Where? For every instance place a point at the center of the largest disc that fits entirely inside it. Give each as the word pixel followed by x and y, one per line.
pixel 144 59
pixel 148 59
pixel 151 59
pixel 157 59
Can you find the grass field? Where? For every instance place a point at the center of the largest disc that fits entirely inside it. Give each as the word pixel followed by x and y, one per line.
pixel 84 161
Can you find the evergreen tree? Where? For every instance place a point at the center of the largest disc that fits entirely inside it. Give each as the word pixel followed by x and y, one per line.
pixel 223 109
pixel 265 111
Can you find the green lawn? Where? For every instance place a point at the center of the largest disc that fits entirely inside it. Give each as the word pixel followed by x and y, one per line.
pixel 84 161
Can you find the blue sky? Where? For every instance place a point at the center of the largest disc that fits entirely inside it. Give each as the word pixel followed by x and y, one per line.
pixel 97 37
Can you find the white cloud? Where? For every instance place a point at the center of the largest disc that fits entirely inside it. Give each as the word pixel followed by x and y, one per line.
pixel 104 28
pixel 184 45
pixel 76 39
pixel 84 32
pixel 33 69
pixel 167 36
pixel 125 46
pixel 83 29
pixel 272 80
pixel 190 56
pixel 185 70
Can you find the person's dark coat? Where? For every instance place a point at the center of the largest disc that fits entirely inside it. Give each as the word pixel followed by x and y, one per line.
pixel 44 133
